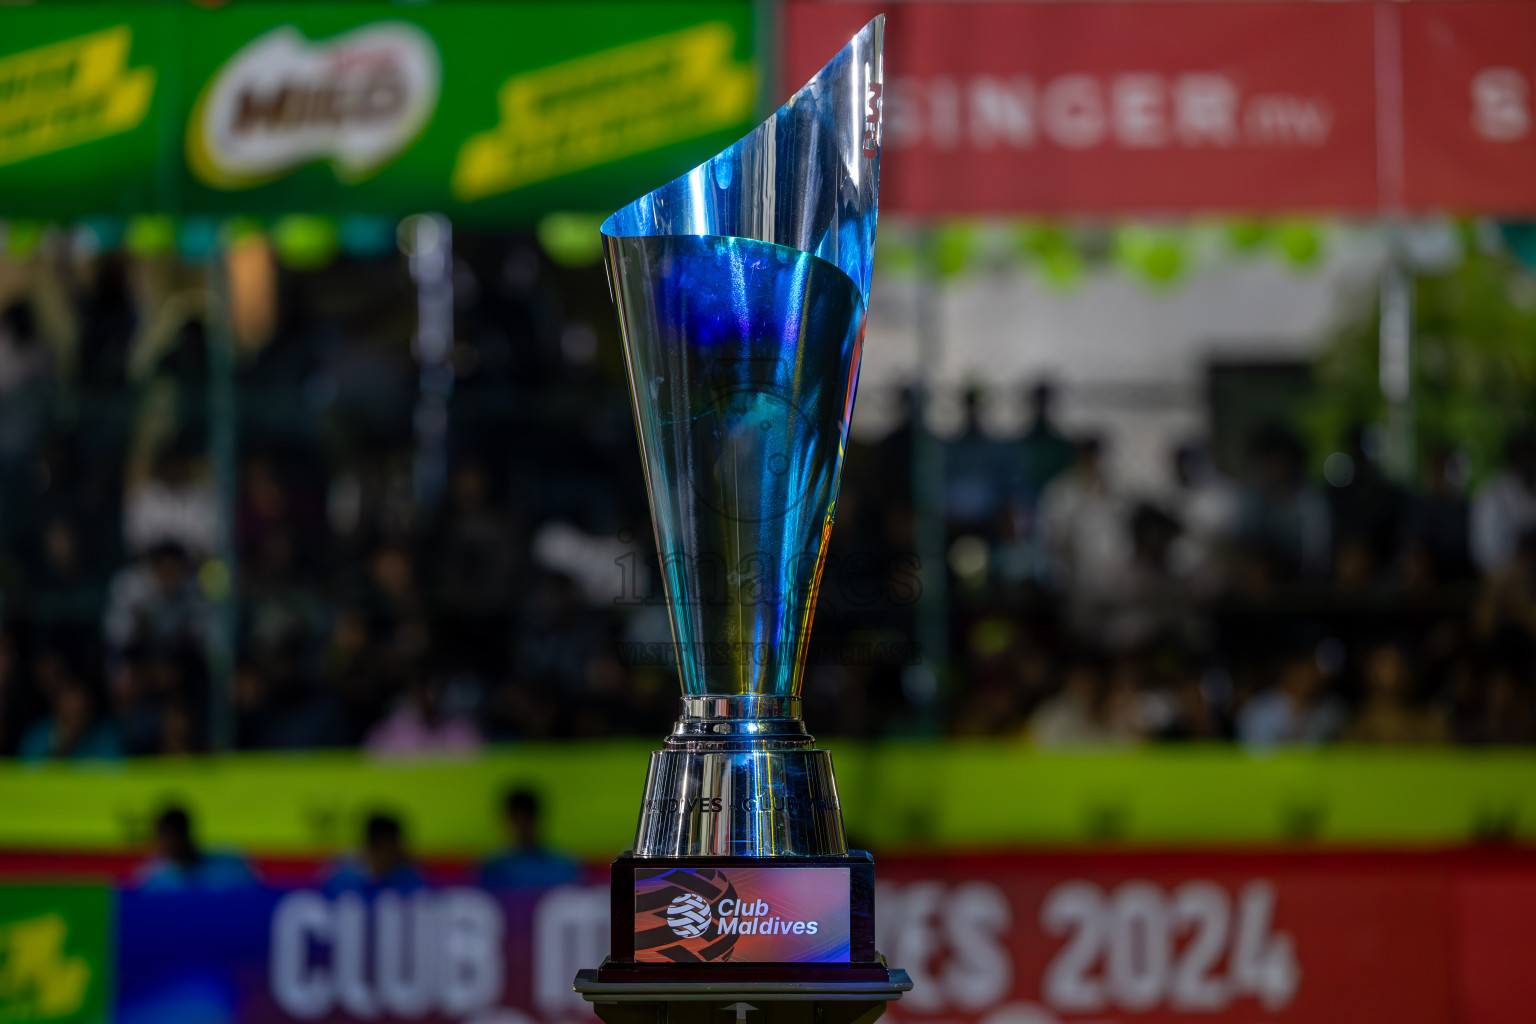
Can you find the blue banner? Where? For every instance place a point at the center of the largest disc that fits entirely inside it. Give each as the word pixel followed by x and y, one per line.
pixel 432 955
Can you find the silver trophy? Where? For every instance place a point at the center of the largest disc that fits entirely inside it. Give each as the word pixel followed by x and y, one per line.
pixel 741 289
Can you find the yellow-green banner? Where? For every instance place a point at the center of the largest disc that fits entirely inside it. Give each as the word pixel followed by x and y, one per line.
pixel 895 796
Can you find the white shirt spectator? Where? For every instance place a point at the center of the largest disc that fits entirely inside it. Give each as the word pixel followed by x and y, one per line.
pixel 1501 512
pixel 159 513
pixel 1084 523
pixel 154 602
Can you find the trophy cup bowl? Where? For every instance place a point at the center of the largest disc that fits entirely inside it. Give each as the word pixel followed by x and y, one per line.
pixel 741 290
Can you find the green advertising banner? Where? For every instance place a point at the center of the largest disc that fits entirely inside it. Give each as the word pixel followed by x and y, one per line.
pixel 492 113
pixel 55 954
pixel 85 126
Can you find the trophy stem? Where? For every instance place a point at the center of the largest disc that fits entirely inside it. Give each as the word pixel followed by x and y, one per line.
pixel 740 777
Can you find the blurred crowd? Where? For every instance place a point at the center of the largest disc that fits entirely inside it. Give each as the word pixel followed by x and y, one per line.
pixel 382 862
pixel 1276 605
pixel 321 581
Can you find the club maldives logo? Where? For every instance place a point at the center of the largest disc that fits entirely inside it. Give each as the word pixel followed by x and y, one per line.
pixel 756 917
pixel 281 102
pixel 769 914
pixel 688 915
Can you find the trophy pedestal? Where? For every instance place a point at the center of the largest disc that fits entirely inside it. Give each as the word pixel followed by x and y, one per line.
pixel 740 872
pixel 763 1001
pixel 773 940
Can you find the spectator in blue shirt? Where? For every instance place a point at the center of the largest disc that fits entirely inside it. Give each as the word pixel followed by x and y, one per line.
pixel 179 865
pixel 73 730
pixel 1298 709
pixel 382 865
pixel 526 861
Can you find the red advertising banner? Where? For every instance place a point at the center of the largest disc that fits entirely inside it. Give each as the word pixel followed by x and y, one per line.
pixel 1132 937
pixel 1495 929
pixel 1190 107
pixel 1133 107
pixel 1228 939
pixel 1469 103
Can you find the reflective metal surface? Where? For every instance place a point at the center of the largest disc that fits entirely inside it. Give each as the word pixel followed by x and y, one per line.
pixel 742 358
pixel 741 289
pixel 740 777
pixel 807 178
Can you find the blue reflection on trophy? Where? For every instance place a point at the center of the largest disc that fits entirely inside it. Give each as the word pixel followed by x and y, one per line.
pixel 741 289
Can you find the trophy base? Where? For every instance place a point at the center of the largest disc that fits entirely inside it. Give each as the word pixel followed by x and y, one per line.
pixel 716 919
pixel 740 777
pixel 759 1000
pixel 740 886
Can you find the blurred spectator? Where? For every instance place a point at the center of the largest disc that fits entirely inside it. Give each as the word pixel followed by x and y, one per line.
pixel 1440 518
pixel 264 523
pixel 73 729
pixel 175 505
pixel 1153 599
pixel 526 860
pixel 1283 522
pixel 1044 452
pixel 382 865
pixel 180 865
pixel 1091 709
pixel 588 561
pixel 420 727
pixel 1502 710
pixel 136 704
pixel 62 566
pixel 108 321
pixel 156 603
pixel 1298 709
pixel 398 622
pixel 477 552
pixel 559 637
pixel 25 364
pixel 1506 604
pixel 279 708
pixel 992 699
pixel 1391 711
pixel 1083 520
pixel 352 664
pixel 179 734
pixel 1192 714
pixel 974 473
pixel 1505 509
pixel 1368 511
pixel 67 526
pixel 1206 506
